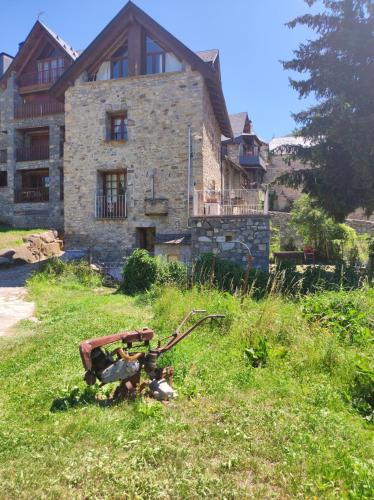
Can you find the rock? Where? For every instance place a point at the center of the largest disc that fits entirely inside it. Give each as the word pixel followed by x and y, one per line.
pixel 7 253
pixel 50 249
pixel 24 254
pixel 47 237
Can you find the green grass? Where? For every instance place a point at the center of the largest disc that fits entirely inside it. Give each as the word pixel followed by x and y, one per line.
pixel 287 429
pixel 12 238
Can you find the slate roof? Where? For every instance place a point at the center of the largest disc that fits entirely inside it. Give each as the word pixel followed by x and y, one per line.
pixel 68 48
pixel 238 122
pixel 208 56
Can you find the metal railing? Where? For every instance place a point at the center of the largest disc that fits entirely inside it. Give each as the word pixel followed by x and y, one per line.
pixel 33 153
pixel 42 77
pixel 110 207
pixel 35 110
pixel 31 195
pixel 228 202
pixel 3 155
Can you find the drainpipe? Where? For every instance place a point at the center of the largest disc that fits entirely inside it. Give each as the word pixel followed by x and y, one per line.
pixel 189 174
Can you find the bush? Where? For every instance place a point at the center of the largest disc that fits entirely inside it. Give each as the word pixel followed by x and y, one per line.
pixel 341 313
pixel 225 275
pixel 80 272
pixel 139 272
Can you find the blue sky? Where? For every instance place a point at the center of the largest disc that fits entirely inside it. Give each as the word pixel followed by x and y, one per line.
pixel 250 34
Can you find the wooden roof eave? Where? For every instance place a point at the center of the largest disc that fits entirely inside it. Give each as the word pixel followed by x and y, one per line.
pixel 24 54
pixel 132 13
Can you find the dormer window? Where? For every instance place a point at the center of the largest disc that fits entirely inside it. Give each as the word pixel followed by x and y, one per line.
pixel 120 63
pixel 49 70
pixel 154 57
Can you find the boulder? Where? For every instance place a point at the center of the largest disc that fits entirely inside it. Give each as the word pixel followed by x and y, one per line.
pixel 7 253
pixel 51 249
pixel 24 254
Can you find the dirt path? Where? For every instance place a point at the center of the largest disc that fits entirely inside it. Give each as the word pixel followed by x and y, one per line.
pixel 13 306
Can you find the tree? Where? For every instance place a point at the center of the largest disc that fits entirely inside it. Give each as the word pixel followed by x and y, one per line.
pixel 319 230
pixel 339 129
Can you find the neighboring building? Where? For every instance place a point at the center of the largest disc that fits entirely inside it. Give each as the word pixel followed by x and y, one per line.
pixel 32 131
pixel 281 196
pixel 245 155
pixel 144 117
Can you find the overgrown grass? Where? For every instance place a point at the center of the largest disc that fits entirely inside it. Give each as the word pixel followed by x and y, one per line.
pixel 288 428
pixel 12 238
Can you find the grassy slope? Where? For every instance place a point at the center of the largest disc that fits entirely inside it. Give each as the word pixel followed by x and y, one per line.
pixel 11 238
pixel 284 430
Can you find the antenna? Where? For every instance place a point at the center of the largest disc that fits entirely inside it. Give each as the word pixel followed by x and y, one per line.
pixel 40 14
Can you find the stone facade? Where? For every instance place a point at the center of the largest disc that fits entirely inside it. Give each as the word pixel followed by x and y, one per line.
pixel 160 109
pixel 20 214
pixel 220 235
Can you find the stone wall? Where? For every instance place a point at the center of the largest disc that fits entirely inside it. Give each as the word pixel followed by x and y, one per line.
pixel 29 215
pixel 160 108
pixel 219 235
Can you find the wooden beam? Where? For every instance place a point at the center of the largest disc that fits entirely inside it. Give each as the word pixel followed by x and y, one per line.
pixel 135 42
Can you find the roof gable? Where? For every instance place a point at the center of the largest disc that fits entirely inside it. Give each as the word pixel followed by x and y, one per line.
pixel 30 44
pixel 206 62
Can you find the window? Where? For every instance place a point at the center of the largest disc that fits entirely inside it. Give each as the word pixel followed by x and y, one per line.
pixel 154 57
pixel 49 70
pixel 119 128
pixel 114 185
pixel 3 179
pixel 120 63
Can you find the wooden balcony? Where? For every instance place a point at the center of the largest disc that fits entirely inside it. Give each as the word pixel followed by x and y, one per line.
pixel 111 207
pixel 249 160
pixel 37 110
pixel 3 155
pixel 43 78
pixel 31 195
pixel 34 153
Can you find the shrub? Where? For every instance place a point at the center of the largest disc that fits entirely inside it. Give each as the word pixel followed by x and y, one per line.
pixel 225 275
pixel 171 273
pixel 362 391
pixel 340 313
pixel 80 272
pixel 139 272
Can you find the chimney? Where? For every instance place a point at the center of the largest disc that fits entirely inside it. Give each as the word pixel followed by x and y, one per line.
pixel 20 45
pixel 5 61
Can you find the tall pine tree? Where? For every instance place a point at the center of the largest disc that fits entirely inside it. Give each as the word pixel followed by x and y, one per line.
pixel 339 71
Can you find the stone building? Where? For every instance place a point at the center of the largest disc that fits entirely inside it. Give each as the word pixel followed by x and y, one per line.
pixel 141 117
pixel 32 131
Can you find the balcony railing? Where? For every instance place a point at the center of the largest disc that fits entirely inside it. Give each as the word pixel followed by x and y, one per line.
pixel 31 195
pixel 110 207
pixel 229 202
pixel 43 77
pixel 35 110
pixel 248 160
pixel 3 155
pixel 33 153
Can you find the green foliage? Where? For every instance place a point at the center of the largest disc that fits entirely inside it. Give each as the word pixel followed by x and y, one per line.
pixel 319 230
pixel 362 391
pixel 141 271
pixel 257 356
pixel 211 270
pixel 340 314
pixel 76 272
pixel 337 69
pixel 285 279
